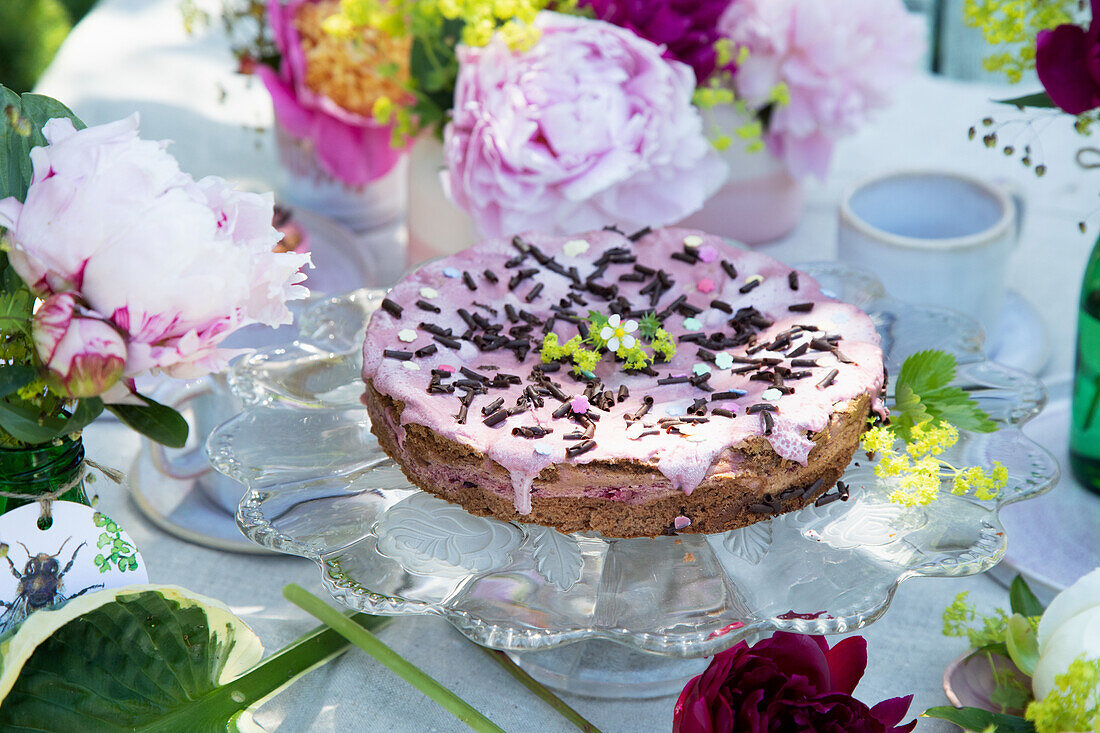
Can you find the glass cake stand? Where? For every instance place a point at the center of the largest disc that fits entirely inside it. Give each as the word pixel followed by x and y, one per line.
pixel 644 611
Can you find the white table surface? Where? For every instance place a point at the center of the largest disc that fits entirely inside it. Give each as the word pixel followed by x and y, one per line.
pixel 133 55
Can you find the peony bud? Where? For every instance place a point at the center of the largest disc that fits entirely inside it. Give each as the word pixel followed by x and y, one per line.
pixel 84 355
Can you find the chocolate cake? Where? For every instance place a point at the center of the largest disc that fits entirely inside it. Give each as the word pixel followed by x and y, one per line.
pixel 634 385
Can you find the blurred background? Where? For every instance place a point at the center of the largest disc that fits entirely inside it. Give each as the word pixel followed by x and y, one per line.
pixel 31 31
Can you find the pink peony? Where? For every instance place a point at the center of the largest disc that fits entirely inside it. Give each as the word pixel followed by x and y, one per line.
pixel 84 356
pixel 350 148
pixel 173 264
pixel 789 682
pixel 839 59
pixel 591 126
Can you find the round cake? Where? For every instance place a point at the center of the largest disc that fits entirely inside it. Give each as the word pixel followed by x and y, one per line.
pixel 634 385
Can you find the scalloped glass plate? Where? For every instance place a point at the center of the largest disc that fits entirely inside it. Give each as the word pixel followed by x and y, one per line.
pixel 320 487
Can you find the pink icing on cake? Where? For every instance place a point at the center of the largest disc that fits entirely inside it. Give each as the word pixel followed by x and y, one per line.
pixel 685 457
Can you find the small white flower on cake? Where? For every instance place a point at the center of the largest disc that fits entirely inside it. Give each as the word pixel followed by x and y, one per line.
pixel 617 333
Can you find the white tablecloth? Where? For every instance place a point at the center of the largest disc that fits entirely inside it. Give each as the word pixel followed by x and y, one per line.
pixel 133 55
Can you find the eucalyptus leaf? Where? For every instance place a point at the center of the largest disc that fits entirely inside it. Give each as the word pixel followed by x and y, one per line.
pixel 1022 600
pixel 147 658
pixel 87 410
pixel 976 719
pixel 153 420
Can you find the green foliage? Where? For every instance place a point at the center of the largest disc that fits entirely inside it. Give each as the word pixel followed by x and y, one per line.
pixel 153 420
pixel 1073 704
pixel 981 721
pixel 922 395
pixel 1022 600
pixel 147 658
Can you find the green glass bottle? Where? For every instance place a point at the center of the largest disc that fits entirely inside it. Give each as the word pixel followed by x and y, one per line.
pixel 40 469
pixel 1084 439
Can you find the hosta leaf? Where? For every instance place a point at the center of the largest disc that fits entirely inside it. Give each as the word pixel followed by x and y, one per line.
pixel 145 658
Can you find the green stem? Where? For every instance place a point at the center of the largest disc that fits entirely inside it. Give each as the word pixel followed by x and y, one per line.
pixel 540 691
pixel 397 664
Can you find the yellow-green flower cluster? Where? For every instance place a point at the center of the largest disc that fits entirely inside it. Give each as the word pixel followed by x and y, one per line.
pixel 718 91
pixel 1072 704
pixel 1015 22
pixel 633 357
pixel 480 18
pixel 918 472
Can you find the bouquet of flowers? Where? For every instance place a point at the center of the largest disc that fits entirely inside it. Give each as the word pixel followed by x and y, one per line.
pixel 1044 663
pixel 116 264
pixel 567 115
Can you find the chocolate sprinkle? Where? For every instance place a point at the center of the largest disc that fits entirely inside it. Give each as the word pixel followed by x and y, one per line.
pixel 761 407
pixel 761 509
pixel 749 286
pixel 426 306
pixel 730 269
pixel 531 431
pixel 583 447
pixel 792 279
pixel 466 278
pixel 392 308
pixel 426 350
pixel 826 499
pixel 721 305
pixel 721 411
pixel 496 418
pixel 828 379
pixel 731 395
pixel 493 406
pixel 639 234
pixel 801 307
pixel 491 276
pixel 533 292
pixel 395 354
pixel 769 422
pixel 673 380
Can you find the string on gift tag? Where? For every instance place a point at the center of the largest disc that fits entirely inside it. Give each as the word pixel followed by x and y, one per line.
pixel 46 499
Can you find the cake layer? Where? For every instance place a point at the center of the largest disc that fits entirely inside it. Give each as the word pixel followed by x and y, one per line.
pixel 767 371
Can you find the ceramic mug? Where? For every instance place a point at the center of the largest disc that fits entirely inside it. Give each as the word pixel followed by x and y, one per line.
pixel 934 238
pixel 206 403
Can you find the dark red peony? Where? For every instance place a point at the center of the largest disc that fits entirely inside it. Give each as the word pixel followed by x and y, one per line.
pixel 791 683
pixel 687 28
pixel 1067 59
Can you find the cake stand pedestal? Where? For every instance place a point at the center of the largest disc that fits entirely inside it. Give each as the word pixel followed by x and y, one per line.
pixel 608 670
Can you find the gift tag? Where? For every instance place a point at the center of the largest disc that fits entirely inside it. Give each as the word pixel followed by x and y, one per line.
pixel 82 551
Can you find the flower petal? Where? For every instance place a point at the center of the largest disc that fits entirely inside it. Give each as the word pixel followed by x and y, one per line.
pixel 629 341
pixel 631 326
pixel 1061 60
pixel 847 661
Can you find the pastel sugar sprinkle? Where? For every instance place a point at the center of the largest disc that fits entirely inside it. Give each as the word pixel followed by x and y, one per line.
pixel 452 272
pixel 407 335
pixel 769 394
pixel 722 360
pixel 674 409
pixel 426 292
pixel 680 522
pixel 708 254
pixel 706 285
pixel 701 368
pixel 574 247
pixel 412 366
pixel 692 240
pixel 446 368
pixel 693 324
pixel 635 430
pixel 543 450
pixel 579 405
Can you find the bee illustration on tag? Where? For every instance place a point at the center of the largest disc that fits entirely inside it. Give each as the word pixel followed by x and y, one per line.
pixel 40 585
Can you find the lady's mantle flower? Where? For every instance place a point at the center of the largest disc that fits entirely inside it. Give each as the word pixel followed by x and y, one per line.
pixel 617 333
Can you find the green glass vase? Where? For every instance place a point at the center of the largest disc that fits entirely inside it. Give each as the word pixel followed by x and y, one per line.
pixel 41 469
pixel 1084 437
